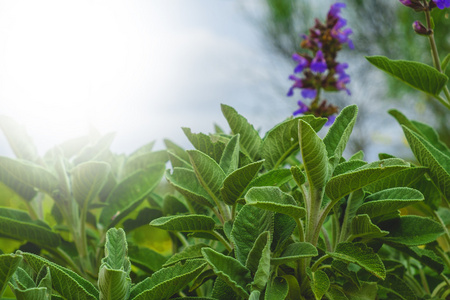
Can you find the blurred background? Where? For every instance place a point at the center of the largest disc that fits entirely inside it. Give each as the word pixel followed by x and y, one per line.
pixel 144 69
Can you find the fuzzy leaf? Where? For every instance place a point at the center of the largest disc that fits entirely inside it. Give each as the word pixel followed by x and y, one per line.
pixel 188 223
pixel 429 156
pixel 273 199
pixel 250 140
pixel 87 181
pixel 8 265
pixel 362 227
pixel 208 172
pixel 339 133
pixel 276 177
pixel 298 175
pixel 146 259
pixel 248 225
pixel 260 255
pixel 167 281
pixel 403 178
pixel 190 252
pixel 255 253
pixel 389 200
pixel 411 230
pixel 185 181
pixel 235 185
pixel 143 161
pixel 348 166
pixel 294 252
pixel 276 289
pixel 229 161
pixel 367 291
pixel 417 75
pixel 18 139
pixel 18 224
pixel 282 140
pixel 66 282
pixel 320 283
pixel 283 227
pixel 130 191
pixel 425 256
pixel 236 275
pixel 394 285
pixel 343 268
pixel 210 145
pixel 342 185
pixel 361 254
pixel 314 155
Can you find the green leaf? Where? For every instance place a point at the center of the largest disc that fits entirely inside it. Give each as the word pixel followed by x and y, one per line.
pixel 146 259
pixel 276 289
pixel 236 275
pixel 362 227
pixel 175 149
pixel 362 255
pixel 167 281
pixel 320 283
pixel 248 225
pixel 294 252
pixel 185 181
pixel 403 178
pixel 445 63
pixel 342 185
pixel 190 252
pixel 314 156
pixel 262 255
pixel 415 74
pixel 8 265
pixel 18 224
pixel 95 150
pixel 389 200
pixel 425 256
pixel 130 191
pixel 282 140
pixel 368 291
pixel 276 177
pixel 229 161
pixel 66 282
pixel 114 280
pixel 210 145
pixel 343 268
pixel 429 156
pixel 32 293
pixel 339 133
pixel 87 181
pixel 283 227
pixel 257 250
pixel 208 172
pixel 178 162
pixel 273 199
pixel 335 294
pixel 250 140
pixel 411 230
pixel 235 185
pixel 298 175
pixel 222 291
pixel 27 173
pixel 189 223
pixel 348 166
pixel 394 285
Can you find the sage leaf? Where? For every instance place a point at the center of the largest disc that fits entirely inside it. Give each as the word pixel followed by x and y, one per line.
pixel 20 142
pixel 167 281
pixel 283 227
pixel 190 252
pixel 320 283
pixel 236 275
pixel 403 178
pixel 362 255
pixel 425 256
pixel 258 261
pixel 277 288
pixel 185 223
pixel 249 140
pixel 411 230
pixel 8 265
pixel 343 268
pixel 229 161
pixel 362 227
pixel 145 160
pixel 273 199
pixel 276 177
pixel 146 259
pixel 396 286
pixel 417 75
pixel 248 225
pixel 339 133
pixel 256 252
pixel 236 183
pixel 210 145
pixel 87 181
pixel 389 200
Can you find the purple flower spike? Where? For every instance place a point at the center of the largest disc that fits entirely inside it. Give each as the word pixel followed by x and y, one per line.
pixel 319 64
pixel 302 108
pixel 309 93
pixel 302 62
pixel 298 84
pixel 441 4
pixel 335 9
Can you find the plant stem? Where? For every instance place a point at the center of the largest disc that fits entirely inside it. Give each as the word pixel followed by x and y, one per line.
pixel 221 239
pixel 301 232
pixel 446 233
pixel 182 239
pixel 435 54
pixel 318 262
pixel 424 281
pixel 326 237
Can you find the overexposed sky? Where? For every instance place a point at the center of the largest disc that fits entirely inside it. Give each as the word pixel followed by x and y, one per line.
pixel 143 69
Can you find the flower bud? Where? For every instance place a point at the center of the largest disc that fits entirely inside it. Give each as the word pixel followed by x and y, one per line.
pixel 419 28
pixel 414 4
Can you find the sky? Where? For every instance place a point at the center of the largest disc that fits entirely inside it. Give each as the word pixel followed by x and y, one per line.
pixel 142 69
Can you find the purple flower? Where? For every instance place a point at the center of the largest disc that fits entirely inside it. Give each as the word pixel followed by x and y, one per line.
pixel 309 93
pixel 441 4
pixel 335 9
pixel 298 84
pixel 318 63
pixel 419 28
pixel 302 108
pixel 302 62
